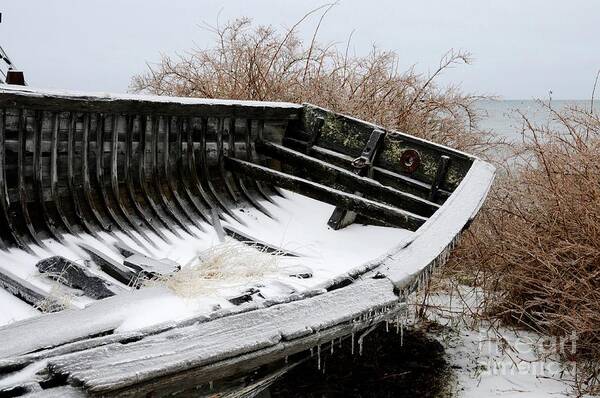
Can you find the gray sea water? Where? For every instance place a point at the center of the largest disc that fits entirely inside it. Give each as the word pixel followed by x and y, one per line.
pixel 502 116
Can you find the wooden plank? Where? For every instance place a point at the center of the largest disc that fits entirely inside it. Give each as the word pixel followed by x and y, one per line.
pixel 34 335
pixel 143 144
pixel 83 220
pixel 205 173
pixel 362 166
pixel 106 201
pixel 156 175
pixel 36 344
pixel 170 178
pixel 130 180
pixel 85 172
pixel 110 266
pixel 54 192
pixel 369 208
pixel 246 363
pixel 348 135
pixel 57 392
pixel 257 243
pixel 75 276
pixel 225 175
pixel 440 175
pixel 132 104
pixel 114 181
pixel 21 289
pixel 249 149
pixel 247 186
pixel 182 172
pixel 37 176
pixel 386 177
pixel 167 205
pixel 116 366
pixel 326 173
pixel 189 169
pixel 22 131
pixel 4 197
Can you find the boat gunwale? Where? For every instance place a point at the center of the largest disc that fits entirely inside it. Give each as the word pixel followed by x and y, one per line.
pixel 65 100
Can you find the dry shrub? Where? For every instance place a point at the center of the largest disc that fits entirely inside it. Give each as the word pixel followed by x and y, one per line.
pixel 262 63
pixel 536 246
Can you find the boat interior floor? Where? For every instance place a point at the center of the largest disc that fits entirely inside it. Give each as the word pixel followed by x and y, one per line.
pixel 289 251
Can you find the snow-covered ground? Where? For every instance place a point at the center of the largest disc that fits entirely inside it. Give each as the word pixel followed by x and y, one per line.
pixel 496 361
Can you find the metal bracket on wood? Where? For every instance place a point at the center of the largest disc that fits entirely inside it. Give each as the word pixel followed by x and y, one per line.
pixel 362 166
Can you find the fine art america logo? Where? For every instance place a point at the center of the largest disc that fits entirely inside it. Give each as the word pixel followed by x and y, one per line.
pixel 532 355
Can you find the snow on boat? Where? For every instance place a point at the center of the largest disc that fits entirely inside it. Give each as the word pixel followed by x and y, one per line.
pixel 175 245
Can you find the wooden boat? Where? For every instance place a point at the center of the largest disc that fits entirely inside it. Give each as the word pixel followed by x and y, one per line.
pixel 99 192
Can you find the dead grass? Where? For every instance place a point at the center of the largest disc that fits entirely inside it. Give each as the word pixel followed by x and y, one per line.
pixel 226 264
pixel 59 297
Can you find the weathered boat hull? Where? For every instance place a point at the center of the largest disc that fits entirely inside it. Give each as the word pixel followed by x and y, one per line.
pixel 137 174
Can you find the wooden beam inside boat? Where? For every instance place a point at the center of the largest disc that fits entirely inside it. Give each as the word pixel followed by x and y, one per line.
pixel 381 175
pixel 325 173
pixel 369 208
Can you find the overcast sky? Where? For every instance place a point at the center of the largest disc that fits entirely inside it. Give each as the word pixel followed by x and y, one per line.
pixel 521 48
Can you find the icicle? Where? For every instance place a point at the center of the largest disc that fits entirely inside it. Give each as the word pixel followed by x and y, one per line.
pixel 387 326
pixel 402 333
pixel 332 347
pixel 340 342
pixel 319 357
pixel 352 343
pixel 360 347
pixel 286 359
pixel 311 352
pixel 210 385
pixel 397 324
